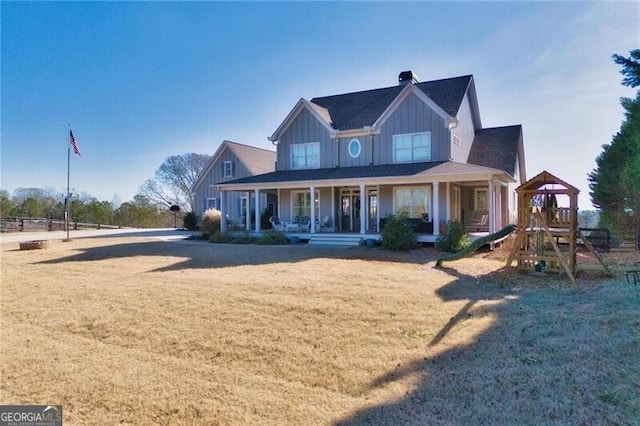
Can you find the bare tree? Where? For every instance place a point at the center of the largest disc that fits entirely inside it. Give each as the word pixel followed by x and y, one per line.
pixel 173 180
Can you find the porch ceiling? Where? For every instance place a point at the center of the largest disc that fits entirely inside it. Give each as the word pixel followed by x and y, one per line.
pixel 389 174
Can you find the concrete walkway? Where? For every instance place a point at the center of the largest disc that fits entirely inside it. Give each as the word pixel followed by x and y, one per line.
pixel 166 234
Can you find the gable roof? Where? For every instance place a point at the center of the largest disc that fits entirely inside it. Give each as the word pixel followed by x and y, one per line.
pixel 256 160
pixel 361 109
pixel 497 148
pixel 358 110
pixel 545 178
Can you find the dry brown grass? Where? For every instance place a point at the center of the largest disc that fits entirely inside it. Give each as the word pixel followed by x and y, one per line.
pixel 134 331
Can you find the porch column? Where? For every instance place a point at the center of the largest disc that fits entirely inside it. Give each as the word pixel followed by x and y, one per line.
pixel 447 214
pixel 499 208
pixel 312 228
pixel 492 207
pixel 256 193
pixel 277 212
pixel 247 209
pixel 436 208
pixel 333 209
pixel 223 207
pixel 363 208
pixel 378 209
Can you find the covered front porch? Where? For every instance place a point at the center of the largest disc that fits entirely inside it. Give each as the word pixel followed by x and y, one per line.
pixel 350 212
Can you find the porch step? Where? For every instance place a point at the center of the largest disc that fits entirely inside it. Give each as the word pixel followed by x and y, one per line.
pixel 347 240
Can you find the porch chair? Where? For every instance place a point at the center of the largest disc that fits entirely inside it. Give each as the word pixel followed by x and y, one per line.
pixel 276 224
pixel 323 224
pixel 479 221
pixel 304 223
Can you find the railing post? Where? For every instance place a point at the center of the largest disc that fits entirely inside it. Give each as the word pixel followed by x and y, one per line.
pixel 21 226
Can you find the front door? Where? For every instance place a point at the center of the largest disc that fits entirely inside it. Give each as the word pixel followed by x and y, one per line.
pixel 373 210
pixel 350 210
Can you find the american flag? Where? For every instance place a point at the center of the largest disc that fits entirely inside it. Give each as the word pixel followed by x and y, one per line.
pixel 74 144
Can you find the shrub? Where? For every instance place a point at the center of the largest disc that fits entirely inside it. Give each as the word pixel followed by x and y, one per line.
pixel 454 238
pixel 205 236
pixel 273 238
pixel 221 237
pixel 244 238
pixel 190 221
pixel 264 218
pixel 397 234
pixel 211 221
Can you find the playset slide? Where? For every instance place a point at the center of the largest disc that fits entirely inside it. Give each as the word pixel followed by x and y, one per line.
pixel 475 245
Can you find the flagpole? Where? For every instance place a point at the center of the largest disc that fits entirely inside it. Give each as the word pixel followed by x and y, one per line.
pixel 68 199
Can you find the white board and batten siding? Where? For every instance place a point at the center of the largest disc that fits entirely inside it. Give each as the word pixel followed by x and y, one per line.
pixel 412 116
pixel 215 174
pixel 305 128
pixel 465 130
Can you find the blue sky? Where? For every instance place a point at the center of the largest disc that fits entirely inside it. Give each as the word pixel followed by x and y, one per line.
pixel 140 81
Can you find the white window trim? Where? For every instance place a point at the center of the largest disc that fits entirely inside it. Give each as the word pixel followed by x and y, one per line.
pixel 393 147
pixel 300 145
pixel 228 169
pixel 351 142
pixel 292 196
pixel 429 190
pixel 215 203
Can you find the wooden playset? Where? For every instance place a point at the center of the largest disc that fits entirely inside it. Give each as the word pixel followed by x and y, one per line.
pixel 547 230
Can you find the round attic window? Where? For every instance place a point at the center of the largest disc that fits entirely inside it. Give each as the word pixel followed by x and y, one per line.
pixel 354 148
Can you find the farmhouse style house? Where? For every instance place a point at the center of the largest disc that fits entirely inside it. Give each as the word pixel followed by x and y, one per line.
pixel 232 161
pixel 346 161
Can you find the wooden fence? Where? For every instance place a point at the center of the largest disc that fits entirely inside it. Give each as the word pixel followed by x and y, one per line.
pixel 21 224
pixel 600 238
pixel 603 239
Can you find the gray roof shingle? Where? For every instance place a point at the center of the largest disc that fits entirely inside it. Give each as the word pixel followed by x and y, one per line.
pixel 257 160
pixel 360 109
pixel 497 148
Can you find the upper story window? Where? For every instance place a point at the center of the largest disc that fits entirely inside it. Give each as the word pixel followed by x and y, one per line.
pixel 412 147
pixel 354 148
pixel 227 169
pixel 305 155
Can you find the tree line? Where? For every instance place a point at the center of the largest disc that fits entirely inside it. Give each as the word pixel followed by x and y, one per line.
pixel 615 182
pixel 41 204
pixel 150 208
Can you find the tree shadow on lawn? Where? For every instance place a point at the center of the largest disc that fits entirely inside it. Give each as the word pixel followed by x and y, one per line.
pixel 536 364
pixel 199 254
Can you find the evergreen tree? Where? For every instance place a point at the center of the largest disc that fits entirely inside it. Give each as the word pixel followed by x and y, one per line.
pixel 615 182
